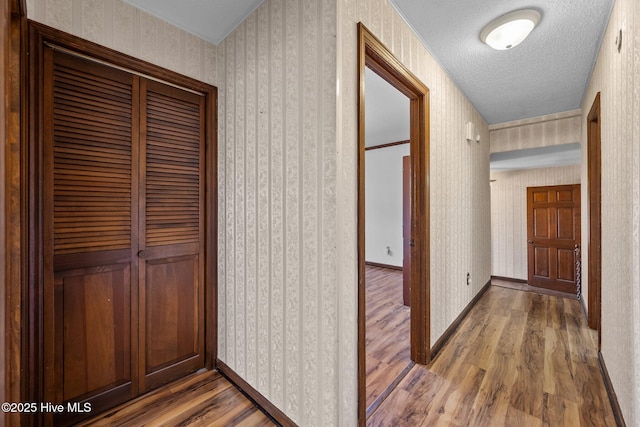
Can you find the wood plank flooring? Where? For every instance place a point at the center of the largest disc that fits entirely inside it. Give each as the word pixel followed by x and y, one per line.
pixel 387 338
pixel 200 399
pixel 518 359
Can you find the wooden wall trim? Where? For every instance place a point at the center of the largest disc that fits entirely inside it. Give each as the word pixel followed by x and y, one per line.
pixel 613 398
pixel 93 50
pixel 456 323
pixel 13 56
pixel 509 279
pixel 390 144
pixel 377 264
pixel 254 395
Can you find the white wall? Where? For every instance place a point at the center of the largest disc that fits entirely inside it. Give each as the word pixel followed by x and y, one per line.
pixel 617 77
pixel 383 204
pixel 509 214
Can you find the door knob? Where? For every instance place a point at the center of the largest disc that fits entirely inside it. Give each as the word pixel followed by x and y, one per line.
pixel 142 254
pixel 530 242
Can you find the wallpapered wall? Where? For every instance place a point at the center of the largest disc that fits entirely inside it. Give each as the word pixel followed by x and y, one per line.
pixel 279 312
pixel 550 129
pixel 617 77
pixel 287 190
pixel 509 214
pixel 509 191
pixel 120 26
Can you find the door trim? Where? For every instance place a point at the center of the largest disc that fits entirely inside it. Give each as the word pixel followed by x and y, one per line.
pixel 374 54
pixel 594 194
pixel 32 193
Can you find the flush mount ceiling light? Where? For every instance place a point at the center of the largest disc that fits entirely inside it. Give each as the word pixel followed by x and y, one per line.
pixel 511 29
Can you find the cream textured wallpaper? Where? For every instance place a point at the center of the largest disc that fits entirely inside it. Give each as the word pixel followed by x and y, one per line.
pixel 551 129
pixel 509 192
pixel 617 77
pixel 122 27
pixel 509 214
pixel 279 306
pixel 459 178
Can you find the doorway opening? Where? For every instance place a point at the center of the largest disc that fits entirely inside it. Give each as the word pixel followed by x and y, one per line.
pixel 373 55
pixel 595 233
pixel 387 237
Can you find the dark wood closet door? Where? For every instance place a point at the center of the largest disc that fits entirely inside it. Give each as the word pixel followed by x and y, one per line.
pixel 123 214
pixel 90 232
pixel 171 233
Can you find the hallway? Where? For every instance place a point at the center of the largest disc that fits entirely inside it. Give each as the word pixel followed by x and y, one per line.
pixel 518 358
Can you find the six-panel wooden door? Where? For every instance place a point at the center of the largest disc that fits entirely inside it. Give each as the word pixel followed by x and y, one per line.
pixel 553 233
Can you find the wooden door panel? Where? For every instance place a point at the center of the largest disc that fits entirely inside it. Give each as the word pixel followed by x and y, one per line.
pixel 541 262
pixel 172 328
pixel 171 233
pixel 541 223
pixel 565 225
pixel 89 204
pixel 564 196
pixel 566 265
pixel 553 232
pixel 94 309
pixel 89 141
pixel 540 196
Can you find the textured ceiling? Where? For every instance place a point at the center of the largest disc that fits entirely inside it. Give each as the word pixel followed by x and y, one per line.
pixel 547 73
pixel 211 20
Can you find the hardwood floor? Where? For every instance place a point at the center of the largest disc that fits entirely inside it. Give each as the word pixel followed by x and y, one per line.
pixel 201 399
pixel 518 359
pixel 387 339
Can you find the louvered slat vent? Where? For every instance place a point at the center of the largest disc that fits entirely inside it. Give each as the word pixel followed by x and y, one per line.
pixel 91 162
pixel 172 170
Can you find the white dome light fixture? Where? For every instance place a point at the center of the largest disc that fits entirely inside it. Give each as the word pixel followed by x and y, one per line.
pixel 511 29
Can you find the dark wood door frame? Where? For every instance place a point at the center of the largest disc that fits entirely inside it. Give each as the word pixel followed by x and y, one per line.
pixel 406 230
pixel 32 193
pixel 594 165
pixel 373 54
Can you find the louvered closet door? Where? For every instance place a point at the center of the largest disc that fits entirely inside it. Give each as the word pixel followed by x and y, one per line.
pixel 123 230
pixel 171 233
pixel 90 232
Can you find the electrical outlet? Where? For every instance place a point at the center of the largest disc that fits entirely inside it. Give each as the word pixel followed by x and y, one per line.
pixel 468 278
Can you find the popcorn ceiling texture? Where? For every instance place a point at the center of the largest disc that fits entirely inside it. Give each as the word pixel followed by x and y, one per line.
pixel 546 74
pixel 617 77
